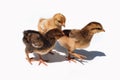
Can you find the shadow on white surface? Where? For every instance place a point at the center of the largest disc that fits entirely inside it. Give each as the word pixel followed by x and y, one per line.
pixel 90 54
pixel 58 57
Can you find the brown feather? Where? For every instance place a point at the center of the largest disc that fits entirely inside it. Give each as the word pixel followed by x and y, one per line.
pixel 80 38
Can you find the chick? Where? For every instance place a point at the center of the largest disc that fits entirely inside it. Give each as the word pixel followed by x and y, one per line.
pixel 57 21
pixel 76 38
pixel 36 42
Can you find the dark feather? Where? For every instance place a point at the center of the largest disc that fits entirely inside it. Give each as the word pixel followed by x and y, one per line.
pixel 43 42
pixel 66 32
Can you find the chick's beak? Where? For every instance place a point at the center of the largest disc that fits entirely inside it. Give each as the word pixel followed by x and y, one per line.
pixel 63 24
pixel 63 34
pixel 103 30
pixel 57 37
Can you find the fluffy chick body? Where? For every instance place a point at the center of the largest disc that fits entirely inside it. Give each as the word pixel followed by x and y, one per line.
pixel 36 42
pixel 75 39
pixel 57 21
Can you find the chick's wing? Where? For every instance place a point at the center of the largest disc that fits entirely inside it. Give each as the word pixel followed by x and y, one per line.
pixel 33 38
pixel 75 34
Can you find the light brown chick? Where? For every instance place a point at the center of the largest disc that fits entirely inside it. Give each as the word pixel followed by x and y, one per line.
pixel 57 21
pixel 79 38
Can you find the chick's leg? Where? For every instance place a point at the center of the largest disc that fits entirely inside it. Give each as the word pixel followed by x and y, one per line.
pixel 75 55
pixel 51 52
pixel 27 55
pixel 70 58
pixel 78 56
pixel 42 61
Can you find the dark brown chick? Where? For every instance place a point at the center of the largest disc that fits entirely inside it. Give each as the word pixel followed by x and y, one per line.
pixel 57 21
pixel 36 42
pixel 79 38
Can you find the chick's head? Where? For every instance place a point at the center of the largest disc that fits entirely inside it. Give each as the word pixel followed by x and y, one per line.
pixel 59 20
pixel 55 33
pixel 94 27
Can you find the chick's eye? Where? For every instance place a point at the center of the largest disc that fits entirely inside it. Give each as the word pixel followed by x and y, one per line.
pixel 37 38
pixel 99 28
pixel 59 21
pixel 96 29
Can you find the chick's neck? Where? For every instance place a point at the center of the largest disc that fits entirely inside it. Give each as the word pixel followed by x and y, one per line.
pixel 86 34
pixel 50 39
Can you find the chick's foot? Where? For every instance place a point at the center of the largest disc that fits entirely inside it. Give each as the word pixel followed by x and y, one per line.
pixel 70 59
pixel 30 60
pixel 79 56
pixel 42 61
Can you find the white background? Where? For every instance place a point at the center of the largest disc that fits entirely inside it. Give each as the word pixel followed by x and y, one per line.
pixel 19 15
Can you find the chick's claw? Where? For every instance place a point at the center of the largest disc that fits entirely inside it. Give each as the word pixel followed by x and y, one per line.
pixel 82 56
pixel 42 61
pixel 30 60
pixel 79 56
pixel 71 59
